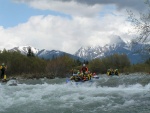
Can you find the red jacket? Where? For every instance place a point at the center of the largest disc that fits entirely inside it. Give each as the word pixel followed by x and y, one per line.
pixel 84 69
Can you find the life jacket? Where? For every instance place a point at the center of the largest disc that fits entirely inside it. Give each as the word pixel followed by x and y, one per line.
pixel 84 78
pixel 2 68
pixel 108 72
pixel 84 69
pixel 116 72
pixel 89 76
pixel 72 78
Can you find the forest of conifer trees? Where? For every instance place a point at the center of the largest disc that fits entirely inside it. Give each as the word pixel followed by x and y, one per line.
pixel 27 66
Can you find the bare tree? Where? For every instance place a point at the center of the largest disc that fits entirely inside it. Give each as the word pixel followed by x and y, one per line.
pixel 142 25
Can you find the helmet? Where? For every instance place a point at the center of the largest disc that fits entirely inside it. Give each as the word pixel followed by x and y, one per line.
pixel 3 64
pixel 83 64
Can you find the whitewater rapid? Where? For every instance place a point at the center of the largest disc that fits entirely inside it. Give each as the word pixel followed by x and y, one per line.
pixel 123 94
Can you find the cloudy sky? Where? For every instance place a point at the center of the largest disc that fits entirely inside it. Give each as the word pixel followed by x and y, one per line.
pixel 65 25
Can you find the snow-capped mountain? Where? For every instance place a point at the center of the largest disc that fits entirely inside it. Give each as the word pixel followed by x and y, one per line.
pixel 135 51
pixel 45 54
pixel 24 49
pixel 116 46
pixel 49 54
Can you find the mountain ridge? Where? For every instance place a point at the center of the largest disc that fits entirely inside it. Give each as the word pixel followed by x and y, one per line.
pixel 135 51
pixel 45 54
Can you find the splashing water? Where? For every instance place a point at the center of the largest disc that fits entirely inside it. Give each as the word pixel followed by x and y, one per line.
pixel 123 94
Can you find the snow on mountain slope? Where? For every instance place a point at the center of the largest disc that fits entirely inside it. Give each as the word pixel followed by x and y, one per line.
pixel 45 54
pixel 48 54
pixel 24 49
pixel 116 45
pixel 135 52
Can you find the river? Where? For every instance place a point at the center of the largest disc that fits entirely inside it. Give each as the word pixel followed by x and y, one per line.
pixel 123 94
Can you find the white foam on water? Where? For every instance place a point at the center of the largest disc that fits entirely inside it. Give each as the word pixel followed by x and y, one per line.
pixel 70 95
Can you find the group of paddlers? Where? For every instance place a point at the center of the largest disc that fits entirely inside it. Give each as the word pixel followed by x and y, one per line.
pixel 111 72
pixel 85 75
pixel 82 75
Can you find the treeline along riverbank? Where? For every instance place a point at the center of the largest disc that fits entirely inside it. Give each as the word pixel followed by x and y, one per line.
pixel 30 66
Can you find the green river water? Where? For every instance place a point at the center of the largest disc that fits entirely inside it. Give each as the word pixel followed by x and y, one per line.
pixel 123 94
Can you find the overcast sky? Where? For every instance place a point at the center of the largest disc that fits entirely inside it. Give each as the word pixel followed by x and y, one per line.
pixel 65 25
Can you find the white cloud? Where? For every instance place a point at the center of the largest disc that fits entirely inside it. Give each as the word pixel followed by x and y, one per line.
pixel 85 27
pixel 8 39
pixel 59 33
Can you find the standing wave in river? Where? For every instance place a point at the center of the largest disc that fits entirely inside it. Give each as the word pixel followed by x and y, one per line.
pixel 123 94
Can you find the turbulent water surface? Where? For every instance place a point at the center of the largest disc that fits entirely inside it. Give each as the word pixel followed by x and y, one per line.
pixel 123 94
